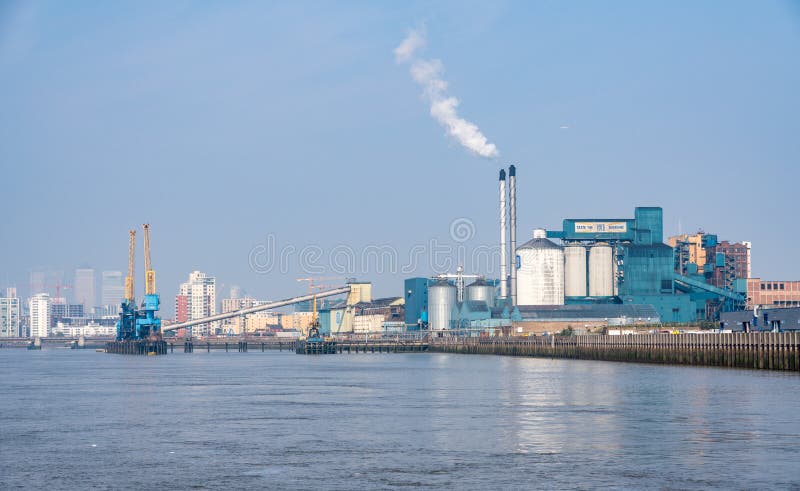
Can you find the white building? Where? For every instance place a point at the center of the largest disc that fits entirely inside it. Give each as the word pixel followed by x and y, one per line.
pixel 9 317
pixel 84 290
pixel 91 329
pixel 113 290
pixel 201 301
pixel 39 306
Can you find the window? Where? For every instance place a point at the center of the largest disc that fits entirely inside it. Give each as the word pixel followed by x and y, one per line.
pixel 782 286
pixel 763 286
pixel 769 286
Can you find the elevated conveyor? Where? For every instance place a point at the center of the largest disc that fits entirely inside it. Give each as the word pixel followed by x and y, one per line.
pixel 686 284
pixel 259 308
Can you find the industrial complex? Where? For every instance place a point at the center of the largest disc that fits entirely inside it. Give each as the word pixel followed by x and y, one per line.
pixel 594 272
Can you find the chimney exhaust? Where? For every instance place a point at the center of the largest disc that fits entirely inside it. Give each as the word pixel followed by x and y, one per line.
pixel 512 203
pixel 503 245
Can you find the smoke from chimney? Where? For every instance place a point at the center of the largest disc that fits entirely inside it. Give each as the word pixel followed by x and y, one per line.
pixel 428 74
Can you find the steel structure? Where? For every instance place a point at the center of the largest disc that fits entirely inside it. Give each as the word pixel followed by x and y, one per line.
pixel 142 323
pixel 259 308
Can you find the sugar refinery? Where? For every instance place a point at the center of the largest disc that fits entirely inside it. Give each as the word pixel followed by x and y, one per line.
pixel 594 271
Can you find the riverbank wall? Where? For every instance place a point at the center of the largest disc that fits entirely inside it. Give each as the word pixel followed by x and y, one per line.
pixel 764 351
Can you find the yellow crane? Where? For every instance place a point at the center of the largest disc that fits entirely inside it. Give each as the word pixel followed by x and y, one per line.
pixel 149 274
pixel 129 290
pixel 311 288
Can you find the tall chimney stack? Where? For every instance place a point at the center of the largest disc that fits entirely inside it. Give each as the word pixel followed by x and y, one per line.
pixel 503 245
pixel 512 203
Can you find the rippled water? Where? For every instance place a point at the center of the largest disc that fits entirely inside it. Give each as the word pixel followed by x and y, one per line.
pixel 80 419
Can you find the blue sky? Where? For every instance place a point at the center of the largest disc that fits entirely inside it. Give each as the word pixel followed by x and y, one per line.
pixel 225 123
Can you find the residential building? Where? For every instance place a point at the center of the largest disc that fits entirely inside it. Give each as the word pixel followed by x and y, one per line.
pixel 39 307
pixel 201 301
pixel 9 317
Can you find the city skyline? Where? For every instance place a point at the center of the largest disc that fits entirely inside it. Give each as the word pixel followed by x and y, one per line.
pixel 644 105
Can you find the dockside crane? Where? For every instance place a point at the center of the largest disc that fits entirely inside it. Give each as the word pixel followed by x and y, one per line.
pixel 141 323
pixel 126 325
pixel 148 326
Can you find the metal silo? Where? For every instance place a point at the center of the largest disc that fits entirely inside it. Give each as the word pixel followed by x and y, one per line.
pixel 540 278
pixel 441 300
pixel 575 271
pixel 601 270
pixel 481 291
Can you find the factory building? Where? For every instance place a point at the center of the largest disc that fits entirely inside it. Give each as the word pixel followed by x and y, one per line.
pixel 625 261
pixel 720 262
pixel 378 316
pixel 772 293
pixel 595 271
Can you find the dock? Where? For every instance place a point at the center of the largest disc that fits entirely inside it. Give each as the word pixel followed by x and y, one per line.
pixel 372 346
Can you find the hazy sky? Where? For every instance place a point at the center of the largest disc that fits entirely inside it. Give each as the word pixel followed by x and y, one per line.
pixel 226 125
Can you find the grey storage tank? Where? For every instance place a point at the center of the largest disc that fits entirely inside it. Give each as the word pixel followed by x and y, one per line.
pixel 441 300
pixel 575 270
pixel 481 291
pixel 601 270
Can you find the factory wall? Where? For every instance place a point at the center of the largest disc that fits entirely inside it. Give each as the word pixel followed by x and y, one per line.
pixel 671 308
pixel 416 298
pixel 646 270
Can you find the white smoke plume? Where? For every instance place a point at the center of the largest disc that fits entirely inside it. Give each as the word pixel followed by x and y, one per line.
pixel 428 73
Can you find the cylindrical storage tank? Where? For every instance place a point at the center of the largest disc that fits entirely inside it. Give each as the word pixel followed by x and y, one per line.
pixel 441 300
pixel 540 277
pixel 601 270
pixel 575 271
pixel 481 291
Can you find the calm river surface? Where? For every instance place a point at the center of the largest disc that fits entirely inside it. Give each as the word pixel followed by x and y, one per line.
pixel 80 420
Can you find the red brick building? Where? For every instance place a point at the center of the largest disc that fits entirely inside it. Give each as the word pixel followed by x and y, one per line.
pixel 772 293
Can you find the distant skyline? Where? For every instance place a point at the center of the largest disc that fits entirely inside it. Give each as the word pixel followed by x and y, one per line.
pixel 229 125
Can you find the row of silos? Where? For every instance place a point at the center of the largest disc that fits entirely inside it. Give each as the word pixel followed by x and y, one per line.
pixel 443 296
pixel 548 272
pixel 600 270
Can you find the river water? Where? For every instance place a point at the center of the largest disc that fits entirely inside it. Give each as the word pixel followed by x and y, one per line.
pixel 80 419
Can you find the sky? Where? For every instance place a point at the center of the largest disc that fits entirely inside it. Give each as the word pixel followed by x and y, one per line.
pixel 267 141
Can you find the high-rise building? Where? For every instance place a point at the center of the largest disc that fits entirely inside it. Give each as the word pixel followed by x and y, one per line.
pixel 11 292
pixel 39 306
pixel 200 301
pixel 113 289
pixel 84 288
pixel 9 317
